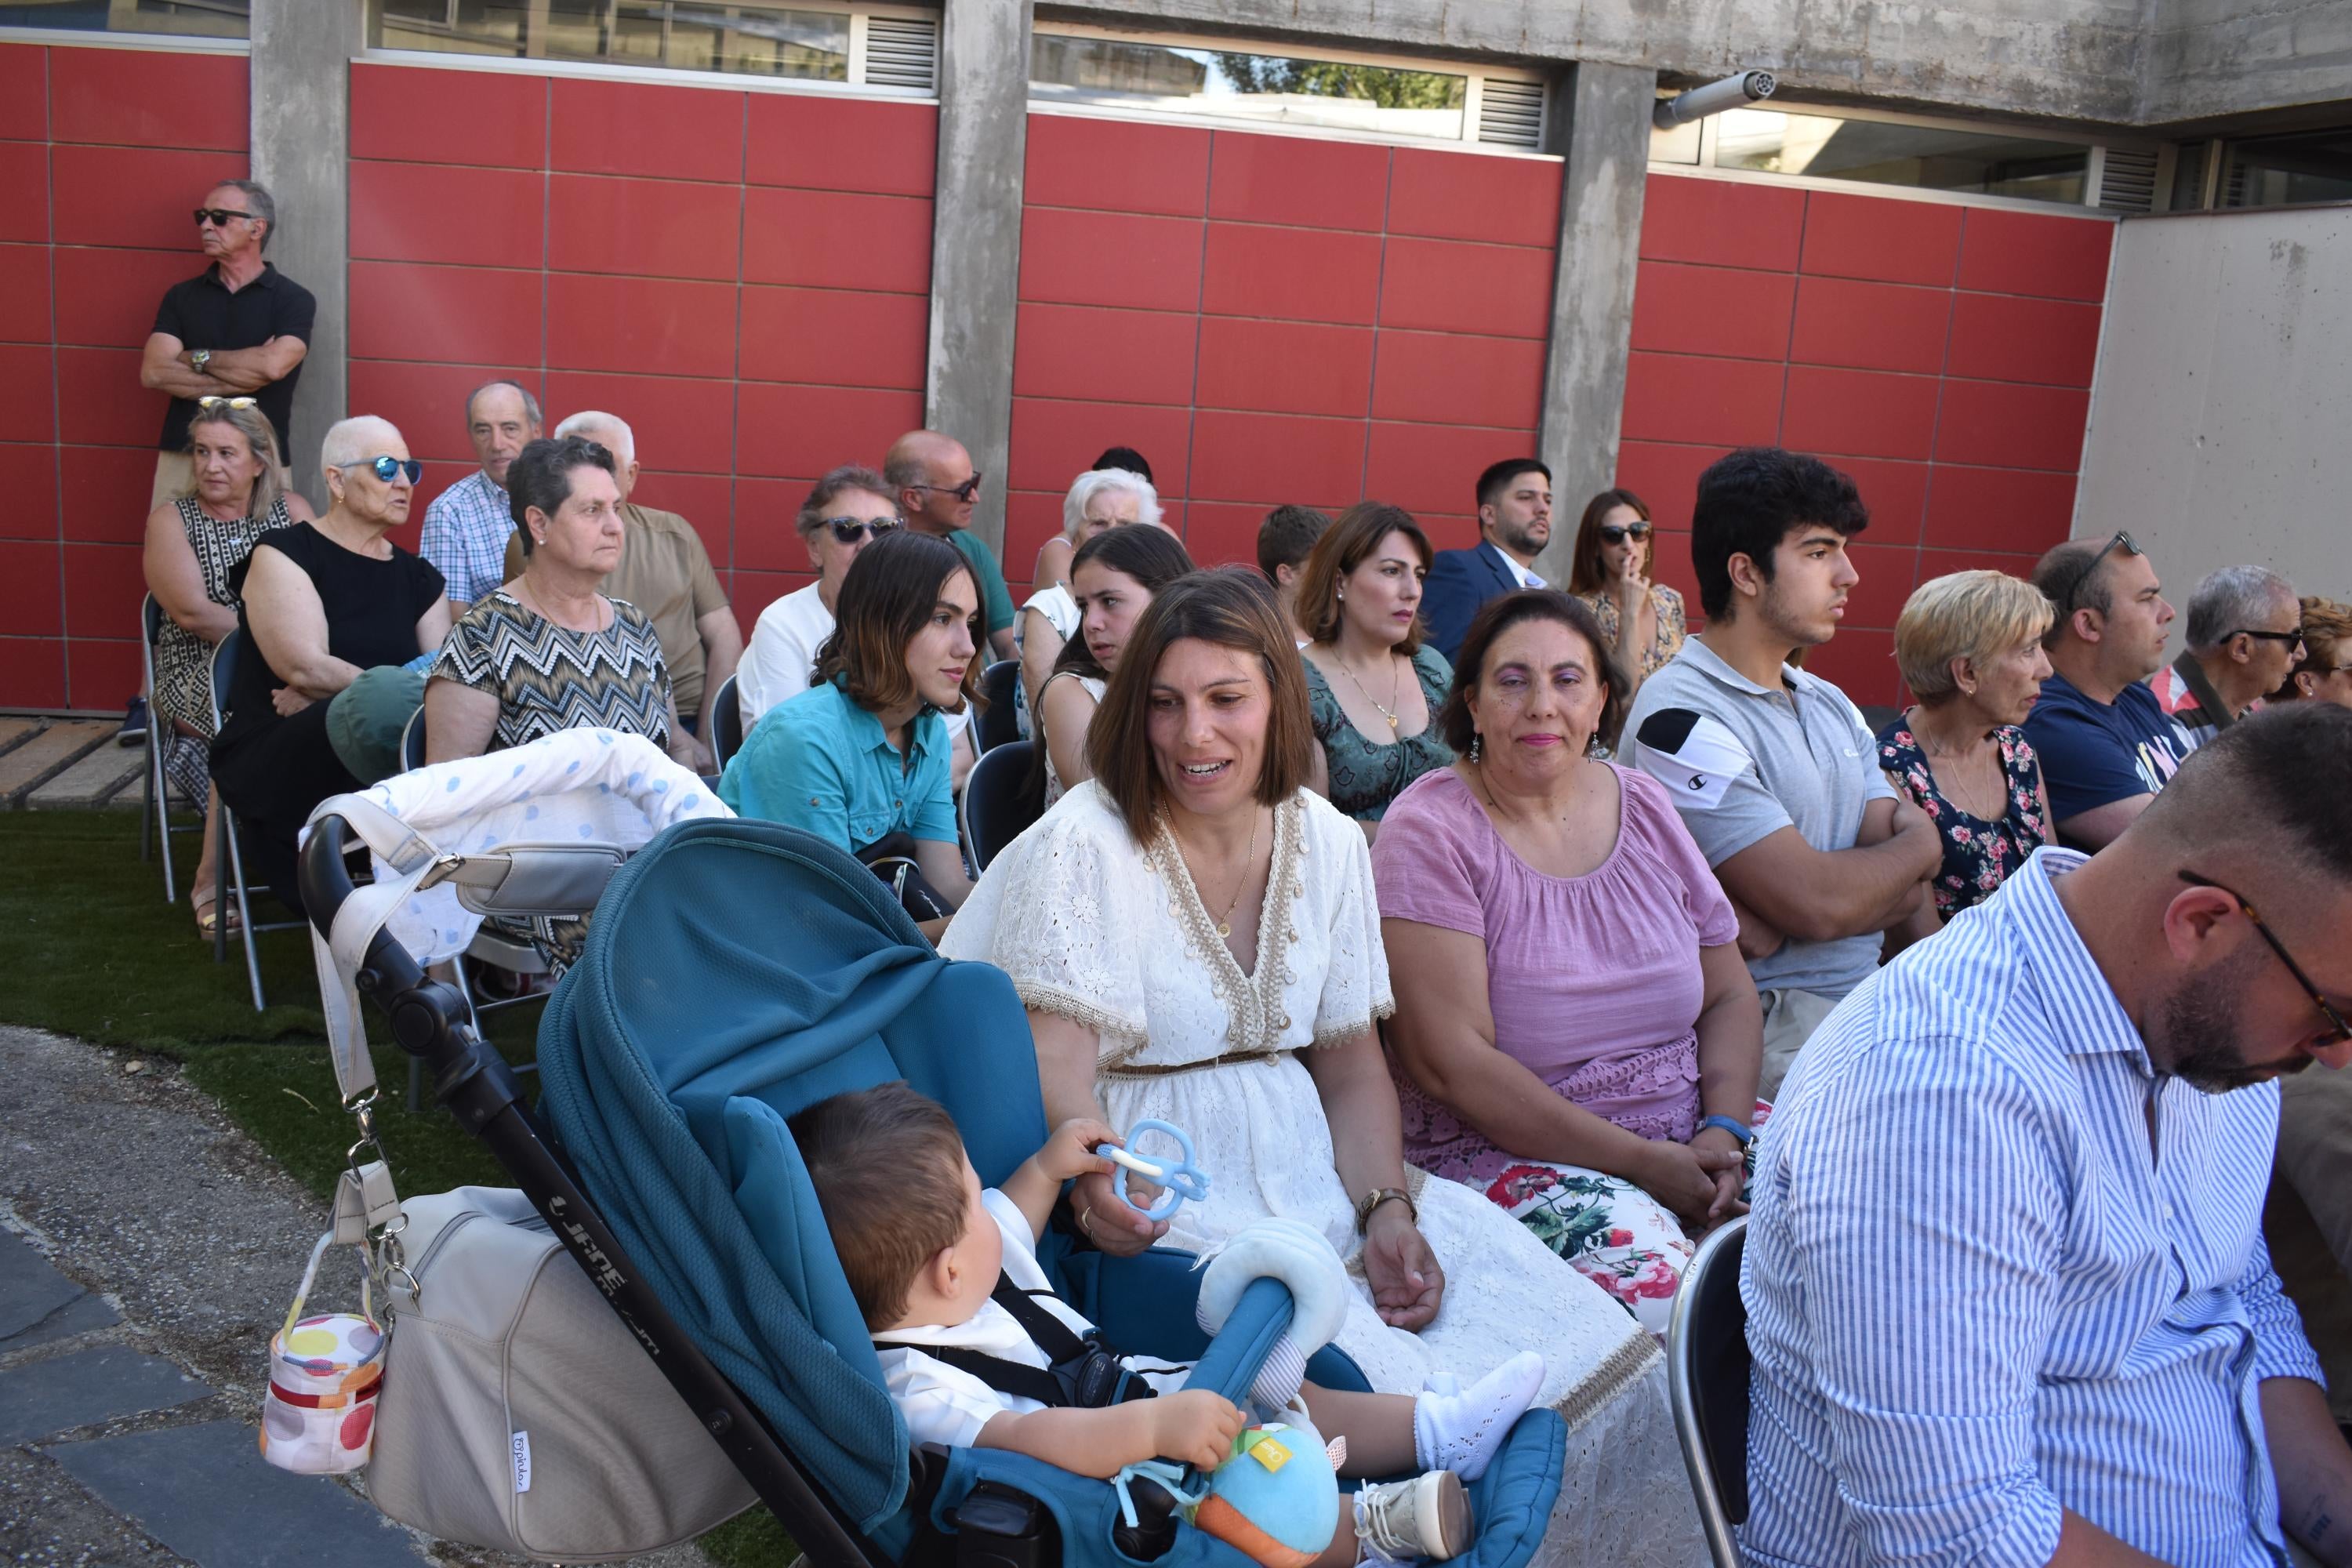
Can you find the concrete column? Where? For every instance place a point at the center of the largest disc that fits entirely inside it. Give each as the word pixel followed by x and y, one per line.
pixel 976 236
pixel 301 93
pixel 1601 120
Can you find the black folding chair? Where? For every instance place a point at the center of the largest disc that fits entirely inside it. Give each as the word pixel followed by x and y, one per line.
pixel 999 724
pixel 155 824
pixel 724 716
pixel 998 802
pixel 228 862
pixel 1706 1382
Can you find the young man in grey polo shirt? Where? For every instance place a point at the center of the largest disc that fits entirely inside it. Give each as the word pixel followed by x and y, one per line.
pixel 1774 771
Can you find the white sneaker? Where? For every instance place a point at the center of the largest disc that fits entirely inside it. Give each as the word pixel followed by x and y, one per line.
pixel 1426 1517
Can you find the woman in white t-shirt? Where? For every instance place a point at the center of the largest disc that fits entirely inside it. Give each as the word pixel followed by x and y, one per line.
pixel 1100 499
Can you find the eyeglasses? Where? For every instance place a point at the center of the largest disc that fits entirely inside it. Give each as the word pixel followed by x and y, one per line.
pixel 2123 541
pixel 2290 637
pixel 217 217
pixel 2334 1018
pixel 850 530
pixel 387 466
pixel 962 492
pixel 1618 532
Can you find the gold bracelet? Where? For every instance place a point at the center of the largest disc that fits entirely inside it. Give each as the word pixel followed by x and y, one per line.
pixel 1375 1198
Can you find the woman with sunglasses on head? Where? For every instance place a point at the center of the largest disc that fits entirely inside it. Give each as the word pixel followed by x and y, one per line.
pixel 845 511
pixel 333 611
pixel 194 542
pixel 862 756
pixel 1616 548
pixel 547 651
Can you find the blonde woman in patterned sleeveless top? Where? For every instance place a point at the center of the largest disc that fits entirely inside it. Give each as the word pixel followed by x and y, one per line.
pixel 547 651
pixel 194 542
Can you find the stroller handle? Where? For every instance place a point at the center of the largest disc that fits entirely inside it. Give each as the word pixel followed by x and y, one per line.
pixel 325 880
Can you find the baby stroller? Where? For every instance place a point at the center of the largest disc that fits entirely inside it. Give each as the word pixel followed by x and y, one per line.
pixel 735 973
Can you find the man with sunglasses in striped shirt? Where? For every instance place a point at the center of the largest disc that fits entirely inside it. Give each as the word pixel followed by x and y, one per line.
pixel 2245 634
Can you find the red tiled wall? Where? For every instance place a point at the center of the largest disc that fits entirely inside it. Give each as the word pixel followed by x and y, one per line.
pixel 1940 354
pixel 744 277
pixel 1274 319
pixel 102 154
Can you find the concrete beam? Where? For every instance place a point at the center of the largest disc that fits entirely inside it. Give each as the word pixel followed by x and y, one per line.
pixel 1603 114
pixel 976 236
pixel 302 52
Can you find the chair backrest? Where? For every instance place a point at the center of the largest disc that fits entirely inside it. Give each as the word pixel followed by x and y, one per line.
pixel 999 722
pixel 722 716
pixel 412 742
pixel 998 802
pixel 151 626
pixel 1707 1381
pixel 225 657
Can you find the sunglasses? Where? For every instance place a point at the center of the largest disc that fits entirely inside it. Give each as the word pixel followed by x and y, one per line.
pixel 2123 541
pixel 850 530
pixel 217 217
pixel 962 492
pixel 387 466
pixel 2293 637
pixel 2336 1019
pixel 1618 532
pixel 211 403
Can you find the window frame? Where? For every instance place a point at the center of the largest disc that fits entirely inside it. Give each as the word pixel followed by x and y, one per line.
pixel 857 86
pixel 1473 102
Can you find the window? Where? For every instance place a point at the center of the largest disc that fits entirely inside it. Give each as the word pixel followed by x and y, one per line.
pixel 1882 152
pixel 2283 171
pixel 179 18
pixel 1349 94
pixel 771 38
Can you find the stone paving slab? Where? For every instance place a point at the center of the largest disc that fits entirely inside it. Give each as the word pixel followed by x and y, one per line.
pixel 83 1314
pixel 37 1304
pixel 14 729
pixel 93 780
pixel 75 1390
pixel 51 751
pixel 205 1493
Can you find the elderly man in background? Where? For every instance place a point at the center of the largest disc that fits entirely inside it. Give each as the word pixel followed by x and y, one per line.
pixel 467 526
pixel 2106 747
pixel 935 485
pixel 237 328
pixel 666 572
pixel 2245 634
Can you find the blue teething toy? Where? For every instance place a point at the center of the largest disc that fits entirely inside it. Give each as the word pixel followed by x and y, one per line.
pixel 1180 1178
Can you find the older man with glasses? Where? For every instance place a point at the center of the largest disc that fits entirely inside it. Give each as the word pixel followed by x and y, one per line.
pixel 239 328
pixel 2106 745
pixel 2245 634
pixel 936 488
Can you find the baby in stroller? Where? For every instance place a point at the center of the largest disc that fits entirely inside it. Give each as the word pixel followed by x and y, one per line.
pixel 968 1331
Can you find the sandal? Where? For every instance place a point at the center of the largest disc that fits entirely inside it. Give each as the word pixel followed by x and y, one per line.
pixel 210 920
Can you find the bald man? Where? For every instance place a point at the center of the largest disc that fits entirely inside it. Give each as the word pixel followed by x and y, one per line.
pixel 936 485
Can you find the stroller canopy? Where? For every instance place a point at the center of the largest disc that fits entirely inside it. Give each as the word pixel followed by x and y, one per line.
pixel 736 972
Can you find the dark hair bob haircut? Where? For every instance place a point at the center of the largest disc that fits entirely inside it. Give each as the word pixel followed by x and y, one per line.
pixel 889 594
pixel 1499 615
pixel 1584 574
pixel 1230 607
pixel 1346 545
pixel 1751 500
pixel 540 476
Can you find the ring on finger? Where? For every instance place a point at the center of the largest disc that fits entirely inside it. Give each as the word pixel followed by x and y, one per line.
pixel 1086 1217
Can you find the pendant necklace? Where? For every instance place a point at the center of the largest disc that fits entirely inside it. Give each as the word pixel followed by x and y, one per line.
pixel 1249 858
pixel 1396 683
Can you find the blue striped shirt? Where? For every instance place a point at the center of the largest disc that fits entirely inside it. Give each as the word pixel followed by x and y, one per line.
pixel 465 534
pixel 1974 1298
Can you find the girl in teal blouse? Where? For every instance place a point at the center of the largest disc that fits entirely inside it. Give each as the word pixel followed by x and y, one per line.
pixel 863 752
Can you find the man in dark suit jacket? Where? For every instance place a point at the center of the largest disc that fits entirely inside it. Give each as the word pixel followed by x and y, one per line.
pixel 1514 525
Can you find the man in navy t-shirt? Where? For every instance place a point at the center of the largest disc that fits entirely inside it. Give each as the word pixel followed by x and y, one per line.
pixel 2105 743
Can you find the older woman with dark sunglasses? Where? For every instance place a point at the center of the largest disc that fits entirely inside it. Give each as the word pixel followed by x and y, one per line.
pixel 332 612
pixel 848 509
pixel 1611 571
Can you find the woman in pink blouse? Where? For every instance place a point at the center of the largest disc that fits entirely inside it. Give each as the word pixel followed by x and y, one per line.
pixel 1575 1034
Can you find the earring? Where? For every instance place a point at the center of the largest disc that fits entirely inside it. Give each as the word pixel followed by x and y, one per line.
pixel 1343 593
pixel 1475 739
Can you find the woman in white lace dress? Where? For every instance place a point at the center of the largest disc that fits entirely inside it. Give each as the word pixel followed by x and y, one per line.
pixel 1196 938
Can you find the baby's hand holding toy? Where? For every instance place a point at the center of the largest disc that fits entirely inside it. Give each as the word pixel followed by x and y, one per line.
pixel 1179 1179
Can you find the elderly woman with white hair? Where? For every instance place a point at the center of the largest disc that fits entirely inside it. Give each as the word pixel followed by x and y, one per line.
pixel 1101 498
pixel 1969 647
pixel 332 612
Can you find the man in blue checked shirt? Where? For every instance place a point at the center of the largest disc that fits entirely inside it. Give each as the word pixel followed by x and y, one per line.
pixel 469 525
pixel 2007 1290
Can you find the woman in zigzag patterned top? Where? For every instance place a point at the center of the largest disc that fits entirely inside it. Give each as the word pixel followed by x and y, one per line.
pixel 547 651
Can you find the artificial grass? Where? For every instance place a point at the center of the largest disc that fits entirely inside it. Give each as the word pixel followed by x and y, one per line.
pixel 95 952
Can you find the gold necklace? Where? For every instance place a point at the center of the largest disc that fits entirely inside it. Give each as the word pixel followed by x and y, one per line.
pixel 1396 685
pixel 1249 858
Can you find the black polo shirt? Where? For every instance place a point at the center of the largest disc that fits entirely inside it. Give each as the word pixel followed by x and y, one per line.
pixel 202 314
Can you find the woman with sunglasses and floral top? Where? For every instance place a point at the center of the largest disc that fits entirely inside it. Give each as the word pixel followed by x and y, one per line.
pixel 333 610
pixel 1611 572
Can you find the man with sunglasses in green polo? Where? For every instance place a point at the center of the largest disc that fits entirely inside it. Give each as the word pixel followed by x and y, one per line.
pixel 2106 745
pixel 936 487
pixel 237 328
